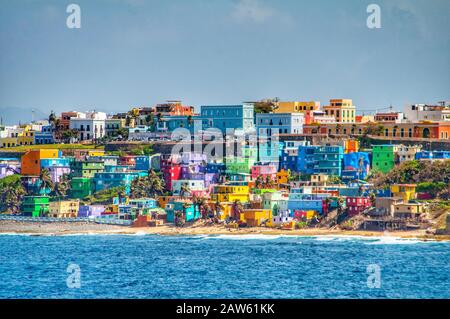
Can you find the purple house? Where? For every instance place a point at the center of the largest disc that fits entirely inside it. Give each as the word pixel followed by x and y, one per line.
pixel 91 210
pixel 7 169
pixel 56 172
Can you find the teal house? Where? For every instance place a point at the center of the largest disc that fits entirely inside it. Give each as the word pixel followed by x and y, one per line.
pixel 106 180
pixel 189 211
pixel 328 160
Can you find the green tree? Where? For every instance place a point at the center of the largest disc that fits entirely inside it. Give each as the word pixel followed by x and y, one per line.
pixel 46 181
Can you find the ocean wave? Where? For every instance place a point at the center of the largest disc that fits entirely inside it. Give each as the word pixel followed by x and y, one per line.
pixel 244 237
pixel 390 240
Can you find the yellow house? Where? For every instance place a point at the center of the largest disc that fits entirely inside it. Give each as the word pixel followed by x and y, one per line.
pixel 226 209
pixel 405 191
pixel 255 217
pixel 297 107
pixel 64 209
pixel 8 142
pixel 231 193
pixel 282 177
pixel 343 110
pixel 26 137
pixel 96 153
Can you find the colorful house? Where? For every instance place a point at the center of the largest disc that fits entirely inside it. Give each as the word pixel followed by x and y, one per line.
pixel 196 187
pixel 231 192
pixel 86 168
pixel 228 117
pixel 91 210
pixel 64 209
pixel 265 171
pixel 406 191
pixel 356 165
pixel 188 210
pixel 282 177
pixel 57 167
pixel 35 206
pixel 351 146
pixel 45 136
pixel 106 180
pixel 256 217
pixel 305 159
pixel 31 160
pixel 298 200
pixel 270 124
pixel 356 205
pixel 383 157
pixel 432 155
pixel 81 187
pixel 288 159
pixel 328 160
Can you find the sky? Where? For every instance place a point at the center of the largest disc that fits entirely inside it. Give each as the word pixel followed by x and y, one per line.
pixel 138 53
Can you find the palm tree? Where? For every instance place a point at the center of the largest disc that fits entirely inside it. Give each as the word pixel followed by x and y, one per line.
pixel 201 204
pixel 63 186
pixel 259 182
pixel 190 120
pixel 46 181
pixel 218 208
pixel 237 209
pixel 184 189
pixel 156 183
pixel 11 197
pixel 268 183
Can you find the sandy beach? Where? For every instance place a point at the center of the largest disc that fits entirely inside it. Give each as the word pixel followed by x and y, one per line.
pixel 34 228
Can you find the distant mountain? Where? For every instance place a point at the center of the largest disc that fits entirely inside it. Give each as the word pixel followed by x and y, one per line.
pixel 16 115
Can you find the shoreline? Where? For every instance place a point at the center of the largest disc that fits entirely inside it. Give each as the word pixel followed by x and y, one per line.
pixel 61 229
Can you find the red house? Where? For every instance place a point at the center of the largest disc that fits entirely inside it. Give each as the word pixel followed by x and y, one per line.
pixel 171 171
pixel 355 205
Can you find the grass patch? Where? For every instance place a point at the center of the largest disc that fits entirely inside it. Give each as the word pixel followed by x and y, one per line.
pixel 24 148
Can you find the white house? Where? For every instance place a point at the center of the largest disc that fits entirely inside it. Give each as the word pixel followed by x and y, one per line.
pixel 91 127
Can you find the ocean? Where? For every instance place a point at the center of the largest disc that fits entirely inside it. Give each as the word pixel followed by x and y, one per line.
pixel 222 266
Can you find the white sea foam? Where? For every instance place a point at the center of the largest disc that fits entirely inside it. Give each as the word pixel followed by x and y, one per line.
pixel 244 237
pixel 390 240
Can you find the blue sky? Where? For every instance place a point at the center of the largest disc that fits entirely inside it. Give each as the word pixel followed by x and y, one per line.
pixel 135 52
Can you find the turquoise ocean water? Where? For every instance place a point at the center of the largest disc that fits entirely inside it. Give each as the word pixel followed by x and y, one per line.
pixel 245 266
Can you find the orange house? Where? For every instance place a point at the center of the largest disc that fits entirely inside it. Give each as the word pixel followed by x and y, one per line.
pixel 31 160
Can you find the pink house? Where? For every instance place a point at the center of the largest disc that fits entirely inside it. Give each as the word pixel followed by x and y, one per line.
pixel 264 171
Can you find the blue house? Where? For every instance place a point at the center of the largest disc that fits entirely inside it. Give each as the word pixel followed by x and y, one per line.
pixel 305 159
pixel 356 165
pixel 268 124
pixel 225 117
pixel 288 160
pixel 142 162
pixel 301 201
pixel 45 136
pixel 427 155
pixel 328 160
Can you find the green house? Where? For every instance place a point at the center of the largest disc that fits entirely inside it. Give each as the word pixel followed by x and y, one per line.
pixel 35 206
pixel 383 157
pixel 242 163
pixel 81 187
pixel 86 168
